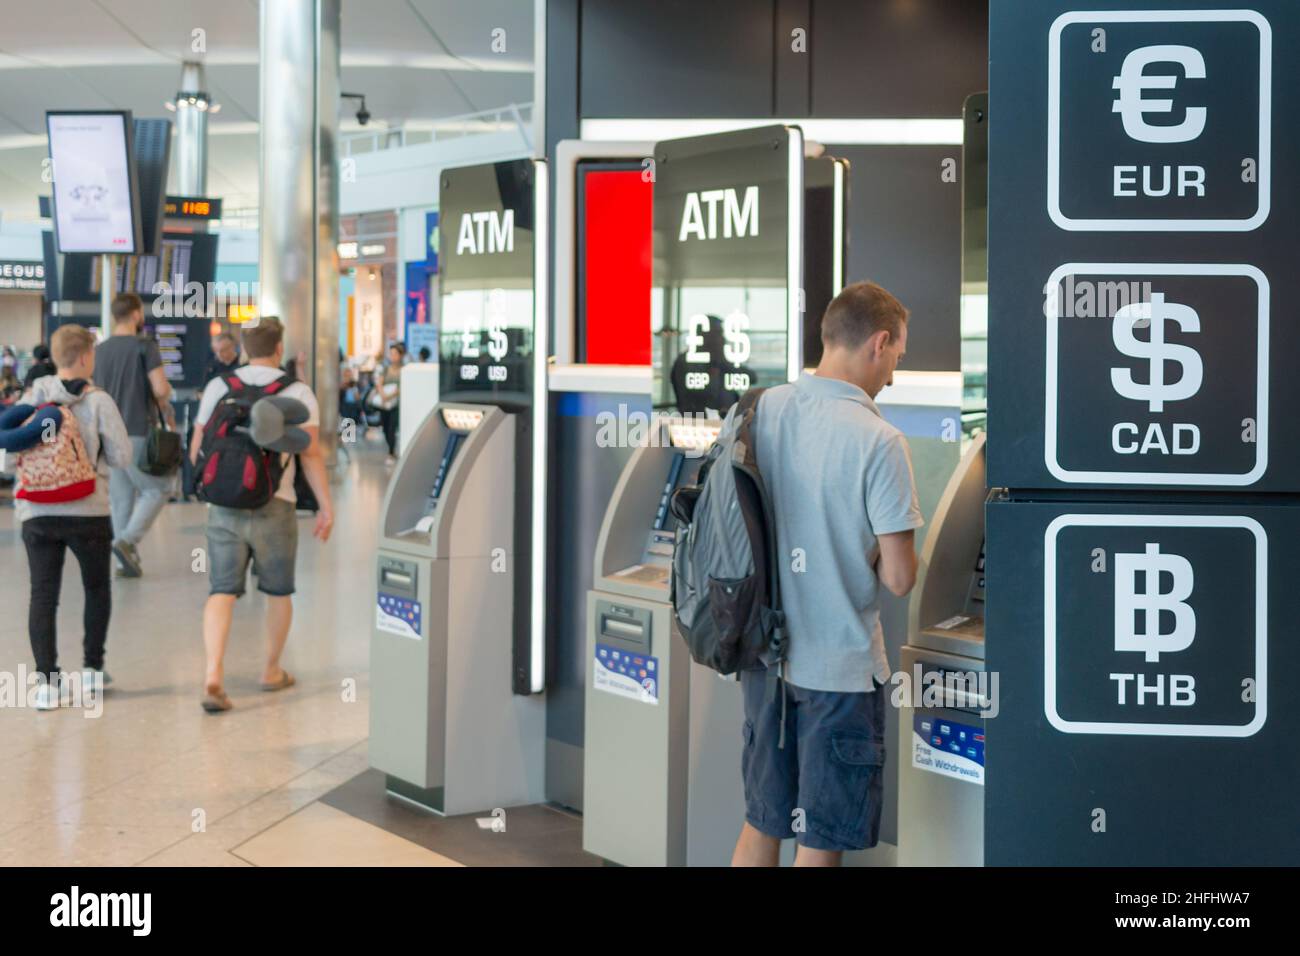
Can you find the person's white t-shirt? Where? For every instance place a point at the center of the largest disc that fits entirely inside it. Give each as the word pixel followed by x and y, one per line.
pixel 259 375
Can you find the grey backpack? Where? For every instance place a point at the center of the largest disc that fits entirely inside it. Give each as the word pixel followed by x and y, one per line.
pixel 725 590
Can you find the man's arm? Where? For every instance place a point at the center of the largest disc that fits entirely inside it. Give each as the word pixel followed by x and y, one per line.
pixel 113 438
pixel 196 442
pixel 313 469
pixel 162 392
pixel 896 561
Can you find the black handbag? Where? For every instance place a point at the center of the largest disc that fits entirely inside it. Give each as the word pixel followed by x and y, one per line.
pixel 161 453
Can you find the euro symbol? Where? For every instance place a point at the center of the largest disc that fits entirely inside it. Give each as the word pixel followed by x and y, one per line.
pixel 1132 104
pixel 1156 391
pixel 1129 601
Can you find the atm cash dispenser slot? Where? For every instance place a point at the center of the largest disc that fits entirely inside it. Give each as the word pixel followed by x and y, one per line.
pixel 627 628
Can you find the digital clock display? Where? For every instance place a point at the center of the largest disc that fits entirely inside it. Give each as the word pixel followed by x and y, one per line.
pixel 192 207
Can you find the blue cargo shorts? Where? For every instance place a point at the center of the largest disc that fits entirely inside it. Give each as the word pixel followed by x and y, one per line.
pixel 825 787
pixel 267 535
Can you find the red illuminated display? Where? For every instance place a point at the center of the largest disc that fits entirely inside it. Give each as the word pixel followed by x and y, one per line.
pixel 618 206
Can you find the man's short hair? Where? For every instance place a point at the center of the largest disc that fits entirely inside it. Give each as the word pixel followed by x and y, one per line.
pixel 859 312
pixel 69 343
pixel 262 339
pixel 224 337
pixel 125 304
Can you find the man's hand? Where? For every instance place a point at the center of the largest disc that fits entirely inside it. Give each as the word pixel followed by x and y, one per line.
pixel 324 524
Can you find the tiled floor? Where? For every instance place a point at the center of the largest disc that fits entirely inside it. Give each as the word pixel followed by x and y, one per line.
pixel 153 779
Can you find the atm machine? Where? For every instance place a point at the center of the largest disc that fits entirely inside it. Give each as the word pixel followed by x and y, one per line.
pixel 663 738
pixel 941 720
pixel 457 720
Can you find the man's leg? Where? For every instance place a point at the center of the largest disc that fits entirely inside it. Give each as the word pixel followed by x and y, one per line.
pixel 807 856
pixel 121 498
pixel 274 540
pixel 92 547
pixel 756 849
pixel 45 563
pixel 217 612
pixel 228 555
pixel 841 769
pixel 151 494
pixel 770 772
pixel 279 617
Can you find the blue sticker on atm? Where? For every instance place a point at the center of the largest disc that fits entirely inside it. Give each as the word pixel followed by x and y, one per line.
pixel 948 748
pixel 398 615
pixel 626 674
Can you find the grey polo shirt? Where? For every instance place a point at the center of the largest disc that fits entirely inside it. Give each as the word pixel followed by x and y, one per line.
pixel 838 475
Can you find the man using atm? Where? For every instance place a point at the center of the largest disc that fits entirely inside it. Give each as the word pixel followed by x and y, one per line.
pixel 844 499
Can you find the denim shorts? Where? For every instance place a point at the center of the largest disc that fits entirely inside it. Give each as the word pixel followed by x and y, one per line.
pixel 267 535
pixel 824 788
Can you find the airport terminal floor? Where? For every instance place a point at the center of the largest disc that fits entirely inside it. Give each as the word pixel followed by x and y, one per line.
pixel 124 788
pixel 155 780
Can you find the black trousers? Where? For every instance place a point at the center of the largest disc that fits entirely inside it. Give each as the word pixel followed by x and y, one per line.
pixel 390 420
pixel 91 542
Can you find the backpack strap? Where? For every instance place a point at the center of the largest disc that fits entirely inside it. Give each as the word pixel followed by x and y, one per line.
pixel 745 435
pixel 237 388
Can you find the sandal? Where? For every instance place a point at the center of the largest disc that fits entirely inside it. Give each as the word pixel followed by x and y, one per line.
pixel 215 701
pixel 285 681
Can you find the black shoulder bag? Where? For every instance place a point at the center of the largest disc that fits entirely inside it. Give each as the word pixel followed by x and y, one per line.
pixel 161 453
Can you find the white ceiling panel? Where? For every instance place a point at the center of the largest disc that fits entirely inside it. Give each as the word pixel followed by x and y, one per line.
pixel 416 61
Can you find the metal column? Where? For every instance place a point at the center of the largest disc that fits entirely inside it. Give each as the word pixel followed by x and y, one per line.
pixel 298 192
pixel 191 133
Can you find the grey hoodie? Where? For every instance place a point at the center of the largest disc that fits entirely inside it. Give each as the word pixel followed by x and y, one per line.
pixel 102 429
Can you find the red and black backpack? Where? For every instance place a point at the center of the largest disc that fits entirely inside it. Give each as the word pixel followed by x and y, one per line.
pixel 233 471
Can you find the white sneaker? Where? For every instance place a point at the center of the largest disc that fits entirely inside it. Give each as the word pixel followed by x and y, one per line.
pixel 47 696
pixel 93 681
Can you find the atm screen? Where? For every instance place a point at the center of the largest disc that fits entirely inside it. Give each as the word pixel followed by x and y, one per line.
pixel 454 440
pixel 486 245
pixel 662 515
pixel 720 308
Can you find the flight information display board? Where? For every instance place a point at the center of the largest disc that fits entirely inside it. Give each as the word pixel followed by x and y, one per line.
pixel 183 345
pixel 185 258
pixel 728 234
pixel 96 199
pixel 487 237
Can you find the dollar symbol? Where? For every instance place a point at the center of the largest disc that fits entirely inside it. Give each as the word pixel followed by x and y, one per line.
pixel 497 341
pixel 736 349
pixel 1129 602
pixel 1132 104
pixel 1156 391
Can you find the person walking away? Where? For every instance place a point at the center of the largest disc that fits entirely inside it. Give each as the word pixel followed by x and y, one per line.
pixel 388 382
pixel 840 480
pixel 266 535
pixel 129 367
pixel 41 366
pixel 81 525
